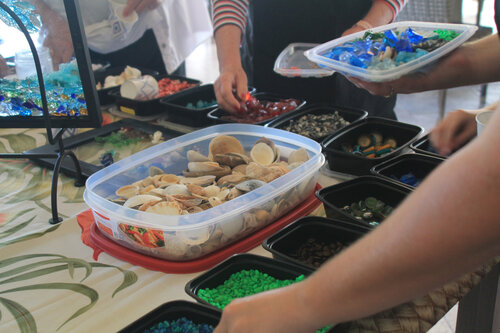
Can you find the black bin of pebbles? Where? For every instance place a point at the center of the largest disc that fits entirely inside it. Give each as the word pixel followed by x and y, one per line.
pixel 402 166
pixel 337 197
pixel 238 262
pixel 424 146
pixel 312 240
pixel 339 160
pixel 199 314
pixel 317 121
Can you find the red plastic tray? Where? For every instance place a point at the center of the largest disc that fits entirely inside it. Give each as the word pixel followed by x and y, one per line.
pixel 101 243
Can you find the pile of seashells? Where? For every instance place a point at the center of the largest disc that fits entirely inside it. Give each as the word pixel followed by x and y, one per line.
pixel 226 173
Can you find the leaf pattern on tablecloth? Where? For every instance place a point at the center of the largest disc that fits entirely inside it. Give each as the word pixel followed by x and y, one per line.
pixel 23 268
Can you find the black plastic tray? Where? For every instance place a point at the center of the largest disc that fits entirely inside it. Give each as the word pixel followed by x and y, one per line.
pixel 349 114
pixel 197 313
pixel 424 146
pixel 337 196
pixel 215 115
pixel 348 163
pixel 67 166
pixel 290 238
pixel 220 273
pixel 101 74
pixel 150 107
pixel 418 164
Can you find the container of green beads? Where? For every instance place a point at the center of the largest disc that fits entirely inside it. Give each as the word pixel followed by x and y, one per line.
pixel 366 200
pixel 177 316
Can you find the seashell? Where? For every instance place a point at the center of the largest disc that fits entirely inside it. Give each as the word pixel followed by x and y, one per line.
pixel 138 183
pixel 250 221
pixel 231 159
pixel 169 178
pixel 262 216
pixel 127 191
pixel 225 170
pixel 242 168
pixel 194 209
pixel 147 181
pixel 196 189
pixel 223 194
pixel 189 201
pixel 119 201
pixel 212 190
pixel 175 247
pixel 223 144
pixel 139 200
pixel 194 236
pixel 234 178
pixel 271 144
pixel 146 205
pixel 202 181
pixel 205 206
pixel 233 227
pixel 250 185
pixel 299 155
pixel 194 156
pixel 153 171
pixel 294 165
pixel 194 251
pixel 165 208
pixel 262 154
pixel 147 189
pixel 214 201
pixel 204 166
pixel 233 193
pixel 176 189
pixel 157 191
pixel 256 171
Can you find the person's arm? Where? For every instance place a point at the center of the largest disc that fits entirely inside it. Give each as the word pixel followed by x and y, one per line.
pixel 140 6
pixel 4 69
pixel 447 227
pixel 229 21
pixel 473 63
pixel 381 12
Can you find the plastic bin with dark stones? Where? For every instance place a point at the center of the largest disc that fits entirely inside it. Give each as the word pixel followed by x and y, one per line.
pixel 149 107
pixel 424 146
pixel 284 244
pixel 100 76
pixel 197 313
pixel 220 273
pixel 418 164
pixel 345 162
pixel 337 196
pixel 216 115
pixel 349 114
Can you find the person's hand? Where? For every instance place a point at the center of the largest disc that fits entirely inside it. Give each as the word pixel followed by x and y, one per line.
pixel 58 39
pixel 454 131
pixel 231 88
pixel 272 311
pixel 355 28
pixel 140 6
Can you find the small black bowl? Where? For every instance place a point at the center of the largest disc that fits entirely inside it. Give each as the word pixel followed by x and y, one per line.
pixel 101 74
pixel 284 244
pixel 349 114
pixel 418 164
pixel 238 262
pixel 216 115
pixel 197 313
pixel 149 107
pixel 345 162
pixel 424 146
pixel 337 196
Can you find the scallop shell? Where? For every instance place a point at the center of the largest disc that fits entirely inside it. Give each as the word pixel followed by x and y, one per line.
pixel 165 208
pixel 223 144
pixel 194 156
pixel 139 200
pixel 147 189
pixel 299 155
pixel 127 191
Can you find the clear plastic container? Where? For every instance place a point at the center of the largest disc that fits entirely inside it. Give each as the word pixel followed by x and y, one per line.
pixel 293 63
pixel 317 54
pixel 187 237
pixel 25 64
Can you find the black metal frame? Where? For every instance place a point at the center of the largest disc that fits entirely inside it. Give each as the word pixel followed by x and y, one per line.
pixel 94 118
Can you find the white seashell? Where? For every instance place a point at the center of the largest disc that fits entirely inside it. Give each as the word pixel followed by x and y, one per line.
pixel 233 193
pixel 232 227
pixel 214 201
pixel 139 200
pixel 202 181
pixel 153 171
pixel 194 156
pixel 262 154
pixel 299 155
pixel 175 247
pixel 212 190
pixel 204 166
pixel 294 165
pixel 223 144
pixel 250 185
pixel 165 208
pixel 223 194
pixel 127 191
pixel 194 236
pixel 176 189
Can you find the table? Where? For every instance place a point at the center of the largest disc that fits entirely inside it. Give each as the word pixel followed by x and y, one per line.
pixel 49 281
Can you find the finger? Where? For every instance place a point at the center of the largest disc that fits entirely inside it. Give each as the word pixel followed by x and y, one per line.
pixel 230 102
pixel 463 137
pixel 130 7
pixel 146 5
pixel 241 88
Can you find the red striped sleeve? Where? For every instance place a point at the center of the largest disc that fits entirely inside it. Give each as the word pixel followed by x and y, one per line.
pixel 395 5
pixel 229 12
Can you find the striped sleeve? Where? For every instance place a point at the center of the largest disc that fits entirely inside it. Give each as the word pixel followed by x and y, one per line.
pixel 230 12
pixel 395 5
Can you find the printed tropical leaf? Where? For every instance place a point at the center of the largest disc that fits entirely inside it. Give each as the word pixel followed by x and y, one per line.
pixel 30 236
pixel 14 260
pixel 70 192
pixel 70 265
pixel 20 142
pixel 129 277
pixel 76 287
pixel 16 228
pixel 25 320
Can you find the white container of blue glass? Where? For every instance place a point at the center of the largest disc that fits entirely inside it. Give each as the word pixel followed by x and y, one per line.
pixel 187 237
pixel 319 53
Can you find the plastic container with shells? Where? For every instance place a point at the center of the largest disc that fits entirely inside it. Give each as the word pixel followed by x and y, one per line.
pixel 282 171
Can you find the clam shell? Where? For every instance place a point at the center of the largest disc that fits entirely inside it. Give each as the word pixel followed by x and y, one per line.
pixel 225 170
pixel 234 178
pixel 212 190
pixel 299 155
pixel 249 185
pixel 139 200
pixel 214 201
pixel 194 236
pixel 165 208
pixel 194 156
pixel 233 193
pixel 196 189
pixel 174 246
pixel 231 159
pixel 232 227
pixel 202 181
pixel 153 171
pixel 223 144
pixel 242 168
pixel 147 189
pixel 262 154
pixel 127 191
pixel 204 166
pixel 176 189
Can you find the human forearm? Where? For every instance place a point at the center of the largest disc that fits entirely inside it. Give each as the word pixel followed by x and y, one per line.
pixel 227 41
pixel 437 241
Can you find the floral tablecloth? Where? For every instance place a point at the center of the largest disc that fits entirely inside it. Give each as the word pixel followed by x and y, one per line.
pixel 50 283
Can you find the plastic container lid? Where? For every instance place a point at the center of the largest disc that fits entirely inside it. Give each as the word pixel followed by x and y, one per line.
pixel 292 62
pixel 317 54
